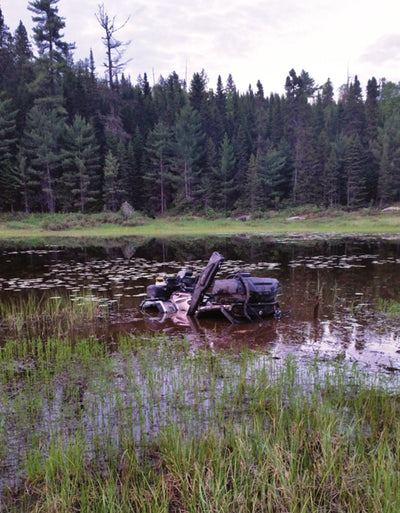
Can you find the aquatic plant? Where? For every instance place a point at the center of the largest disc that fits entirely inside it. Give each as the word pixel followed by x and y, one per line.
pixel 35 315
pixel 390 307
pixel 155 425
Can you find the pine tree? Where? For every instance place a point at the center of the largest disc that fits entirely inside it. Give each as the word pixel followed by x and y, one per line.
pixel 354 110
pixel 331 180
pixel 23 75
pixel 112 190
pixel 307 175
pixel 197 92
pixel 371 111
pixel 175 98
pixel 242 155
pixel 6 60
pixel 225 172
pixel 260 114
pixel 81 167
pixel 187 151
pixel 8 150
pixel 276 120
pixel 136 170
pixel 220 117
pixel 327 94
pixel 387 150
pixel 300 134
pixel 42 143
pixel 157 178
pixel 209 187
pixel 354 168
pixel 371 133
pixel 23 180
pixel 387 145
pixel 253 198
pixel 275 175
pixel 53 51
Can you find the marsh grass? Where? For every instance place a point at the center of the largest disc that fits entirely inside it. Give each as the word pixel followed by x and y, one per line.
pixel 34 315
pixel 390 307
pixel 158 426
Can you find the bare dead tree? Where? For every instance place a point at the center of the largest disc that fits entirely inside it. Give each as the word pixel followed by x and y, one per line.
pixel 115 49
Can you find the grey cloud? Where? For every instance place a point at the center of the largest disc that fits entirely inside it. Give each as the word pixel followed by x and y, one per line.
pixel 386 49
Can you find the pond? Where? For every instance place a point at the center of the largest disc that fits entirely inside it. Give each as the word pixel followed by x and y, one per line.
pixel 108 391
pixel 353 278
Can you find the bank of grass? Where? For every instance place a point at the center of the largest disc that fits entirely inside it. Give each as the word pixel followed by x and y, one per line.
pixel 106 225
pixel 153 425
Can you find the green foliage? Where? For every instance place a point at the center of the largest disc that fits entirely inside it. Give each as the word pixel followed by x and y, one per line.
pixel 391 307
pixel 42 137
pixel 81 167
pixel 158 177
pixel 112 189
pixel 153 424
pixel 188 149
pixel 181 146
pixel 53 51
pixel 8 154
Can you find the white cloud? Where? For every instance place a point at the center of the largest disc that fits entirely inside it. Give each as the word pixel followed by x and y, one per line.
pixel 251 39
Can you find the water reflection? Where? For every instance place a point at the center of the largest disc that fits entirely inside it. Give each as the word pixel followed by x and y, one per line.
pixel 349 276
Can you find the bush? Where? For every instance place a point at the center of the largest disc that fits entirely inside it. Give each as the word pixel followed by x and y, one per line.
pixel 60 222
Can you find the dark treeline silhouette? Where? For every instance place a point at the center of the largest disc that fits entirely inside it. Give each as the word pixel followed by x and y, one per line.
pixel 73 142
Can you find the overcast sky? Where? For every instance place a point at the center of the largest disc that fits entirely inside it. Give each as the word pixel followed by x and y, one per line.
pixel 250 39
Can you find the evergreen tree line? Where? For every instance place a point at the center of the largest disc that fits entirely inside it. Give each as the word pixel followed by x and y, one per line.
pixel 73 142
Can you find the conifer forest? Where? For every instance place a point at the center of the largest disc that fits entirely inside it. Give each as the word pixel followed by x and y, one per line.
pixel 74 139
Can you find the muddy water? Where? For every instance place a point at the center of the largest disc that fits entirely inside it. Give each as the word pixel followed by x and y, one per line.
pixel 350 276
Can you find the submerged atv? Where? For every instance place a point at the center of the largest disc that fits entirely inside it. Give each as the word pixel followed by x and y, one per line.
pixel 238 297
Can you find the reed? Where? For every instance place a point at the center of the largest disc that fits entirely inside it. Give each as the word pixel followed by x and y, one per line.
pixel 159 426
pixel 390 307
pixel 34 315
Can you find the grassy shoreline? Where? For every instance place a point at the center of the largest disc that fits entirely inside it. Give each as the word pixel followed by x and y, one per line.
pixel 96 226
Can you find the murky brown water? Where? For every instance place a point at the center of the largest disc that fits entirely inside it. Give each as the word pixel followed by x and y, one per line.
pixel 351 276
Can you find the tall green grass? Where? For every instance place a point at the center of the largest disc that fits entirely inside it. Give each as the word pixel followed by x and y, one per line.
pixel 103 225
pixel 36 315
pixel 390 307
pixel 155 425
